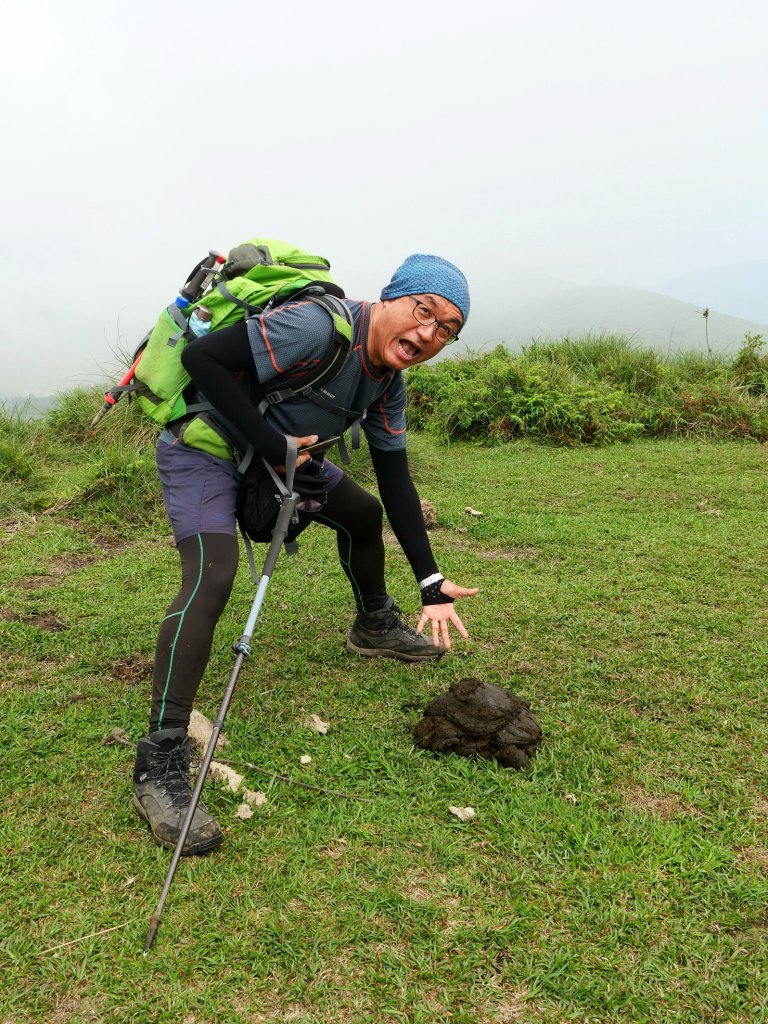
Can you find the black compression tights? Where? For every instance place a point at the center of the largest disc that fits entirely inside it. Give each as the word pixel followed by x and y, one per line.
pixel 208 566
pixel 357 517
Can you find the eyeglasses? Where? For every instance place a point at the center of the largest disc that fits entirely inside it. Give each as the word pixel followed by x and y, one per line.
pixel 444 334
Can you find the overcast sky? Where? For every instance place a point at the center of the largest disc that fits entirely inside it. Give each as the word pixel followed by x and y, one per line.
pixel 594 142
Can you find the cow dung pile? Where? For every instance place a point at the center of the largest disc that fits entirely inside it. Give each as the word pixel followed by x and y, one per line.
pixel 476 719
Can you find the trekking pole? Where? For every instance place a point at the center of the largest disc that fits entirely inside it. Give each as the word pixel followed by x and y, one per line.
pixel 200 278
pixel 242 649
pixel 192 289
pixel 114 394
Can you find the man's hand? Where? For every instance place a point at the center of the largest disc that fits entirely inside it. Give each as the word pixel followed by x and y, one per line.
pixel 304 442
pixel 301 442
pixel 441 615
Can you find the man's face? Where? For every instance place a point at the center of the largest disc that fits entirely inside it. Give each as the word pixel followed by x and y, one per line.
pixel 402 340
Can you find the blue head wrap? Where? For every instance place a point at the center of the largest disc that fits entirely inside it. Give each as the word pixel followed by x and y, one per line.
pixel 420 274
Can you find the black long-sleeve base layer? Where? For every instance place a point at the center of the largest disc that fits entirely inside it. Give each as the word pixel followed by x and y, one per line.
pixel 211 361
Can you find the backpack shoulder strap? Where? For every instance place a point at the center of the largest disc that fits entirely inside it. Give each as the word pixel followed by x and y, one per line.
pixel 330 364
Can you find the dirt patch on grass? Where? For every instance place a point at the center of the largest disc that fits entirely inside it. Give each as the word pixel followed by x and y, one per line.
pixel 420 885
pixel 65 565
pixel 515 1008
pixel 419 893
pixel 756 856
pixel 37 582
pixel 72 1007
pixel 665 805
pixel 336 849
pixel 46 621
pixel 134 668
pixel 42 620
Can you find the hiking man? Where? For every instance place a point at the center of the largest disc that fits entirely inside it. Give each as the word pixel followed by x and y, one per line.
pixel 421 310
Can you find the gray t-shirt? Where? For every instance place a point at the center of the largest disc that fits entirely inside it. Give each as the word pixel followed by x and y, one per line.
pixel 296 336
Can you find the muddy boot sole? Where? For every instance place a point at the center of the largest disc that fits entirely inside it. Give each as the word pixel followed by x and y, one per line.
pixel 379 652
pixel 190 849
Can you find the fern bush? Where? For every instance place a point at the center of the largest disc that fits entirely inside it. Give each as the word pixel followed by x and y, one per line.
pixel 498 397
pixel 597 390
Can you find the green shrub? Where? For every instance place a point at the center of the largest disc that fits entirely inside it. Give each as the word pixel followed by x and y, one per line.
pixel 70 419
pixel 596 390
pixel 498 397
pixel 750 365
pixel 716 410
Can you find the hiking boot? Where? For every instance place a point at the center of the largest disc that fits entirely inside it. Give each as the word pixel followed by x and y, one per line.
pixel 383 634
pixel 162 793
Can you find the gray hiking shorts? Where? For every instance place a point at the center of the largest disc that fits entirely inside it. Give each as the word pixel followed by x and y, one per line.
pixel 200 491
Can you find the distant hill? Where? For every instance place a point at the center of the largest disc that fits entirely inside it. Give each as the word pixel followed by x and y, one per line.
pixel 648 318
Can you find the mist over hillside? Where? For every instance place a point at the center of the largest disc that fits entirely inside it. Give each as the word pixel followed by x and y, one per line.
pixel 530 305
pixel 647 318
pixel 28 407
pixel 739 289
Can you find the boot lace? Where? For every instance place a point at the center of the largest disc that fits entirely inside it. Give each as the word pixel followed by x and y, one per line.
pixel 395 623
pixel 171 771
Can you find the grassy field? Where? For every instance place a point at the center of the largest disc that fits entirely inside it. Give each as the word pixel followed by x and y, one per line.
pixel 622 876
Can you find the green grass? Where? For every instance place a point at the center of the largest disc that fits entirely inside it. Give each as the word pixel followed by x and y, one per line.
pixel 620 877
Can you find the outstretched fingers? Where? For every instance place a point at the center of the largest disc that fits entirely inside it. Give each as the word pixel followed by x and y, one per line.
pixel 440 617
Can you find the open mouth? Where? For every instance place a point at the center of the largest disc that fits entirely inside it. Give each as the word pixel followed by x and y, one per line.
pixel 407 349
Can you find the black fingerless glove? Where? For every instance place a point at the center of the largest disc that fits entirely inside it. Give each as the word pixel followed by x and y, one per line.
pixel 431 592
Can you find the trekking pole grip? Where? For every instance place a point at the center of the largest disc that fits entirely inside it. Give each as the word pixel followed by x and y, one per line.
pixel 201 276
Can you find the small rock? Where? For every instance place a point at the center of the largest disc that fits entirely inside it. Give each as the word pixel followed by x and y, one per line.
pixel 244 812
pixel 463 813
pixel 117 736
pixel 429 512
pixel 223 773
pixel 316 724
pixel 200 730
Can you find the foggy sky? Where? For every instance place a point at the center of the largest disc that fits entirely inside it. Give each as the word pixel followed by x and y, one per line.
pixel 596 143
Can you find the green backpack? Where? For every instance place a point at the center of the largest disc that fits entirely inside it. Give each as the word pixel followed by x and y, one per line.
pixel 257 275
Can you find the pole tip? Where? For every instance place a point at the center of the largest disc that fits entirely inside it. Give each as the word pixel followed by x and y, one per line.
pixel 102 412
pixel 150 936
